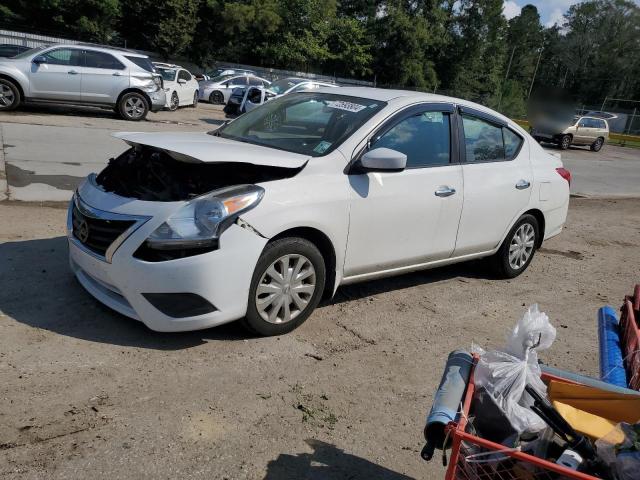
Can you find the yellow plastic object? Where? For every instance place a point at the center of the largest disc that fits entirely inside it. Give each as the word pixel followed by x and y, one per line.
pixel 586 423
pixel 611 406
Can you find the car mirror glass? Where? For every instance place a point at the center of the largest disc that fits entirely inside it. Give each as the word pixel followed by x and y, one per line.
pixel 383 159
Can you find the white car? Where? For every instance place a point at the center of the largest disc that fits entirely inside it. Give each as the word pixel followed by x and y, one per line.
pixel 218 89
pixel 259 219
pixel 180 86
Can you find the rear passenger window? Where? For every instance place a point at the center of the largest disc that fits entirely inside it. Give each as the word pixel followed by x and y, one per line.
pixel 101 60
pixel 483 140
pixel 425 138
pixel 512 143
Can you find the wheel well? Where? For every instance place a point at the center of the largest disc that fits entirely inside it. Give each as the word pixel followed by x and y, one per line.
pixel 135 90
pixel 540 218
pixel 323 243
pixel 15 82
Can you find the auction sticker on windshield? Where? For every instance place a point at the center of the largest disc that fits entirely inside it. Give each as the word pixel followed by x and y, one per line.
pixel 342 105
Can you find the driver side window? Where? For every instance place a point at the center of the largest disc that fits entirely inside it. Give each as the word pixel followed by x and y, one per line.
pixel 64 56
pixel 425 138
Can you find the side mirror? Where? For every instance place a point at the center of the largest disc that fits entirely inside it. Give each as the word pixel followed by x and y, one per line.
pixel 383 160
pixel 182 81
pixel 40 59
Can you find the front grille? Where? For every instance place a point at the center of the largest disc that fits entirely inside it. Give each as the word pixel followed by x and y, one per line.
pixel 97 234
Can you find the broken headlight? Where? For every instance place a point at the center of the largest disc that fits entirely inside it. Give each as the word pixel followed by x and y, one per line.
pixel 200 222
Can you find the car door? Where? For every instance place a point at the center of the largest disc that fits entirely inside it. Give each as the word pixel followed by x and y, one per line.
pixel 234 83
pixel 583 131
pixel 498 181
pixel 185 87
pixel 56 75
pixel 103 77
pixel 399 219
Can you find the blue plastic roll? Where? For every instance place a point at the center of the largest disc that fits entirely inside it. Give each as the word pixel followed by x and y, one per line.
pixel 611 362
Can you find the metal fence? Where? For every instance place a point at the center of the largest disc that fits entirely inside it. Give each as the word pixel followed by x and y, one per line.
pixel 12 37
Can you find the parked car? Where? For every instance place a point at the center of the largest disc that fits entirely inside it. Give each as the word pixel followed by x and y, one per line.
pixel 291 85
pixel 260 218
pixel 580 130
pixel 218 89
pixel 220 71
pixel 245 99
pixel 8 51
pixel 180 87
pixel 82 75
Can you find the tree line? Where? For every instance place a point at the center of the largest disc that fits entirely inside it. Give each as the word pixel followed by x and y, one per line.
pixel 466 48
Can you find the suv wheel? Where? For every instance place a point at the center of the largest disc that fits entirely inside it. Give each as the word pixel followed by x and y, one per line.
pixel 216 97
pixel 597 145
pixel 286 287
pixel 9 95
pixel 133 106
pixel 565 142
pixel 518 248
pixel 175 102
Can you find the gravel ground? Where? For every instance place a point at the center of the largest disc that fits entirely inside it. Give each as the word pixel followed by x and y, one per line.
pixel 85 392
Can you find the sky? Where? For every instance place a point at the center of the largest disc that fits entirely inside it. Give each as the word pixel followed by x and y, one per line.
pixel 551 11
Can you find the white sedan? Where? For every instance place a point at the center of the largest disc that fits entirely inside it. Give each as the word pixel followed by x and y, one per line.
pixel 261 218
pixel 180 86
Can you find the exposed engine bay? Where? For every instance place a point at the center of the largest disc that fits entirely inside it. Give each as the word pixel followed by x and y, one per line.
pixel 146 173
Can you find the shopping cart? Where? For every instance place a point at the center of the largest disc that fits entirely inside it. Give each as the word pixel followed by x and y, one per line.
pixel 474 458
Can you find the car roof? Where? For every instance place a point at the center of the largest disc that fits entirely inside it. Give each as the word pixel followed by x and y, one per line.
pixel 91 46
pixel 386 95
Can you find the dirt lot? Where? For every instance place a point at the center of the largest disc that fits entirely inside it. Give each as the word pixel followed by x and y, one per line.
pixel 86 393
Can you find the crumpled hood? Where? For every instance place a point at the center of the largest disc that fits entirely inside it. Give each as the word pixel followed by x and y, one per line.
pixel 202 147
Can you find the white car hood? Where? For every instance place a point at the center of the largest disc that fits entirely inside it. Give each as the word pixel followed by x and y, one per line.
pixel 202 147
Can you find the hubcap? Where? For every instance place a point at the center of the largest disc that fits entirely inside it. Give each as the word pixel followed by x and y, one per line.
pixel 286 288
pixel 521 246
pixel 566 141
pixel 6 96
pixel 134 107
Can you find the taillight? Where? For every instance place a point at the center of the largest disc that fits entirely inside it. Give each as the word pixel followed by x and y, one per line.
pixel 564 173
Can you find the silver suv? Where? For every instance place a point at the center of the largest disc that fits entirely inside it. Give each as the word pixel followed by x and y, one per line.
pixel 82 75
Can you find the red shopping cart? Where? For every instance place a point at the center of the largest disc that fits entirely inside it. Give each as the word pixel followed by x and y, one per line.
pixel 474 458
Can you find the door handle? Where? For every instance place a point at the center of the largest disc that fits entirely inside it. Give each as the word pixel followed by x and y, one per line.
pixel 445 191
pixel 522 184
pixel 72 72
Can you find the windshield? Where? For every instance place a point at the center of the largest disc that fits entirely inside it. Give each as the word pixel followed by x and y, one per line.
pixel 282 86
pixel 31 51
pixel 307 123
pixel 168 74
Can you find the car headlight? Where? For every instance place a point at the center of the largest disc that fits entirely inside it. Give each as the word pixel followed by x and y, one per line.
pixel 200 222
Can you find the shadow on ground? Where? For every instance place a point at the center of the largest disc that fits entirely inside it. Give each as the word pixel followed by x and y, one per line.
pixel 38 289
pixel 327 462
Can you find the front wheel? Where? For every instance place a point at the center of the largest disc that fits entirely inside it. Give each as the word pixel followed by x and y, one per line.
pixel 286 286
pixel 597 145
pixel 195 100
pixel 175 102
pixel 518 248
pixel 565 142
pixel 133 106
pixel 9 95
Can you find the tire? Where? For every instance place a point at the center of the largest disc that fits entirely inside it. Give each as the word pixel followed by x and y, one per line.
pixel 565 142
pixel 9 95
pixel 195 100
pixel 216 97
pixel 506 262
pixel 597 145
pixel 284 303
pixel 175 102
pixel 133 107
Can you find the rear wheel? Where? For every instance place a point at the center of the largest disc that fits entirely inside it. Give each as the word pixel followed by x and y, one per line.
pixel 518 248
pixel 133 106
pixel 195 99
pixel 565 142
pixel 216 97
pixel 597 145
pixel 286 286
pixel 9 95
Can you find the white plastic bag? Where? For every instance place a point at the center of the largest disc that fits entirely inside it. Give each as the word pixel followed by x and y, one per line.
pixel 504 373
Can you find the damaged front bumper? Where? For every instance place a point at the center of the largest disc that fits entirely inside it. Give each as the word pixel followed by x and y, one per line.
pixel 189 293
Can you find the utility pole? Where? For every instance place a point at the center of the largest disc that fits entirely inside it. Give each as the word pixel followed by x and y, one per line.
pixel 513 50
pixel 603 103
pixel 534 73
